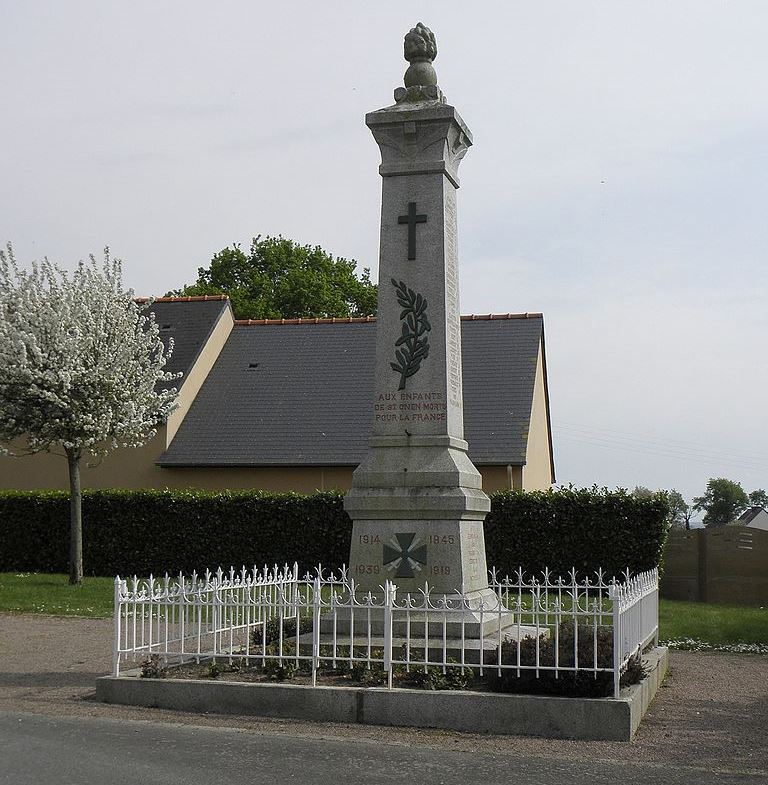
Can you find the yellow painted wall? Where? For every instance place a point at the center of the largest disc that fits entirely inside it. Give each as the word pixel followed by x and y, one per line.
pixel 537 472
pixel 501 478
pixel 199 371
pixel 135 468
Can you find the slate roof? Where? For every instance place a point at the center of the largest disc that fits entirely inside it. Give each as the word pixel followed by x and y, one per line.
pixel 299 392
pixel 189 321
pixel 748 515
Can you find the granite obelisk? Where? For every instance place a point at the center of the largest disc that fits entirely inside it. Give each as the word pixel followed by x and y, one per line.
pixel 416 500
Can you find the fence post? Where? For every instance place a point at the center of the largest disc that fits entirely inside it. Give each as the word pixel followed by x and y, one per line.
pixel 182 616
pixel 116 640
pixel 655 605
pixel 613 594
pixel 216 614
pixel 296 599
pixel 389 600
pixel 315 628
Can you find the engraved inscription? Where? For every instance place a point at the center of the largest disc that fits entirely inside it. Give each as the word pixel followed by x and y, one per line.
pixel 410 407
pixel 452 297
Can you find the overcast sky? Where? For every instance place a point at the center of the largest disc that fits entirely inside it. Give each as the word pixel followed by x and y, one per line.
pixel 618 181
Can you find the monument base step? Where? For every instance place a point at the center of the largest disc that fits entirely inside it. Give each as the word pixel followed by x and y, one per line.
pixel 433 625
pixel 466 650
pixel 470 615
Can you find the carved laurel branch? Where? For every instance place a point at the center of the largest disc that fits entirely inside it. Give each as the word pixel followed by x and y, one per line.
pixel 413 342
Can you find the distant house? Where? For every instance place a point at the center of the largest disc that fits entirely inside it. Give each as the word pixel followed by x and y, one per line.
pixel 285 405
pixel 754 517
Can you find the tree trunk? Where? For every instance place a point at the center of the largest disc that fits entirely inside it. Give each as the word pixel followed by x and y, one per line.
pixel 75 519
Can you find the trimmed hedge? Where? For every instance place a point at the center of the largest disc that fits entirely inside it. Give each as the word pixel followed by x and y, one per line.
pixel 581 528
pixel 142 532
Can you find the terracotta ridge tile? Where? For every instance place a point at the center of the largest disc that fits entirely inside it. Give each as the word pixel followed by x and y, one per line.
pixel 361 319
pixel 473 317
pixel 307 320
pixel 190 299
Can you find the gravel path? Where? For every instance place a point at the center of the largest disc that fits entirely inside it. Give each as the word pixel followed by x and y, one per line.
pixel 710 715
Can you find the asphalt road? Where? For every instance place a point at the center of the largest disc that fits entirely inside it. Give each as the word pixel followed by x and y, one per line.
pixel 94 751
pixel 707 724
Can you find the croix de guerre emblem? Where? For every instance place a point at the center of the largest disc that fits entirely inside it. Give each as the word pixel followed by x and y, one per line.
pixel 405 555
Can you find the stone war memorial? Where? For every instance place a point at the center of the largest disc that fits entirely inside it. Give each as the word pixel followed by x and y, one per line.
pixel 397 635
pixel 416 501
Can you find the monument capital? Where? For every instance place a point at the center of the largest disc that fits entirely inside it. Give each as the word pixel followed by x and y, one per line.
pixel 420 138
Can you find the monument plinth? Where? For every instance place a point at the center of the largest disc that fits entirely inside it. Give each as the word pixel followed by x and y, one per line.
pixel 416 500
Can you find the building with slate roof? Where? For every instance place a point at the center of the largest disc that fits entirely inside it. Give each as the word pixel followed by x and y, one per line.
pixel 756 517
pixel 286 405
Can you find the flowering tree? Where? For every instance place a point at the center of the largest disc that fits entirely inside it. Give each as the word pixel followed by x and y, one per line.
pixel 80 365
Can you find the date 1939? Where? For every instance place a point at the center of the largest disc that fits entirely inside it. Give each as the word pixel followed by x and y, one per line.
pixel 367 569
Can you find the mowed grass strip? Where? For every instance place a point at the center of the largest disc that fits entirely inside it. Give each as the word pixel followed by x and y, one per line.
pixel 715 624
pixel 43 593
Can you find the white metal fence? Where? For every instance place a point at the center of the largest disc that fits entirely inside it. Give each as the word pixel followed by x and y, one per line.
pixel 273 618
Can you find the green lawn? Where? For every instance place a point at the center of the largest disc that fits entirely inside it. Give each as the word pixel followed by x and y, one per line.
pixel 717 625
pixel 42 593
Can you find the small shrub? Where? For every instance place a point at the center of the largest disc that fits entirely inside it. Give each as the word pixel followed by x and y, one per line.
pixel 153 667
pixel 581 683
pixel 280 669
pixel 271 633
pixel 454 678
pixel 635 672
pixel 369 676
pixel 375 676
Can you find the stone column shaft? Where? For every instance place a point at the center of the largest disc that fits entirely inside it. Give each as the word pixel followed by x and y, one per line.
pixel 416 501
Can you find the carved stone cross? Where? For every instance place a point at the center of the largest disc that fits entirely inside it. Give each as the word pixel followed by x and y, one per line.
pixel 412 219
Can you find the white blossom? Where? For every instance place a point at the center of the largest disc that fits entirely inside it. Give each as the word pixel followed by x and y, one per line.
pixel 81 362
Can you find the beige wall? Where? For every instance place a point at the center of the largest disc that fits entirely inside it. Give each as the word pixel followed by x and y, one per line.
pixel 127 468
pixel 501 478
pixel 199 371
pixel 136 469
pixel 537 472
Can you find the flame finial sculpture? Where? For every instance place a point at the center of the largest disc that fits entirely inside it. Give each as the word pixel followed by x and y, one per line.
pixel 419 49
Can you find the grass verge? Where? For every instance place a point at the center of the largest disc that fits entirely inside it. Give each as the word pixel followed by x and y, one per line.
pixel 700 626
pixel 24 592
pixel 690 625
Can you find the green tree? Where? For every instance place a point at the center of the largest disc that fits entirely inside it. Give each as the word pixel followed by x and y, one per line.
pixel 81 361
pixel 679 510
pixel 758 498
pixel 279 279
pixel 722 502
pixel 641 492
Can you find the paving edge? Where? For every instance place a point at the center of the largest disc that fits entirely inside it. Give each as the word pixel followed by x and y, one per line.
pixel 474 712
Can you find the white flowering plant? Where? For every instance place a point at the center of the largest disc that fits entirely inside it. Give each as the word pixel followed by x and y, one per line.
pixel 81 367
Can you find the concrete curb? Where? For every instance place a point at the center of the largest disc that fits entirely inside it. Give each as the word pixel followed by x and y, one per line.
pixel 475 712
